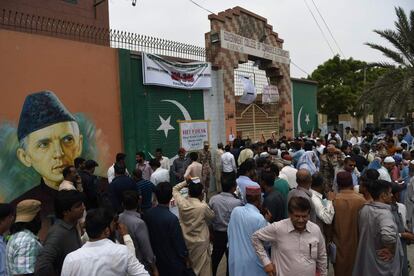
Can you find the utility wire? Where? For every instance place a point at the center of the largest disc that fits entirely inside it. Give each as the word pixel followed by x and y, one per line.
pixel 320 29
pixel 198 5
pixel 297 66
pixel 327 27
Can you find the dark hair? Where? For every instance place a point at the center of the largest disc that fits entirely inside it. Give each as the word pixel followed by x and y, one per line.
pixel 120 157
pixel 163 192
pixel 227 148
pixel 119 169
pixel 65 200
pixel 379 187
pixel 193 156
pixel 317 180
pixel 158 150
pixel 396 188
pixel 140 153
pixel 130 200
pixel 78 161
pixel 247 166
pixel 298 203
pixel 302 178
pixel 194 189
pixel 308 145
pixel 33 226
pixel 137 173
pixel 349 159
pixel 97 220
pixel 268 178
pixel 228 182
pixel 356 150
pixel 372 174
pixel 274 169
pixel 90 164
pixel 66 170
pixel 154 163
pixel 344 146
pixel 261 162
pixel 284 153
pixel 344 179
pixel 6 210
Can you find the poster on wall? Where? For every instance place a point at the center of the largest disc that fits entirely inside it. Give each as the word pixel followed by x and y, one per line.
pixel 47 139
pixel 193 134
pixel 270 94
pixel 249 91
pixel 190 76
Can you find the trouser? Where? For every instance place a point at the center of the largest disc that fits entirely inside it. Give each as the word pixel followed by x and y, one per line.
pixel 227 175
pixel 219 248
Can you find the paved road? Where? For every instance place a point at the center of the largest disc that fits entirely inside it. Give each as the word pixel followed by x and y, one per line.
pixel 222 268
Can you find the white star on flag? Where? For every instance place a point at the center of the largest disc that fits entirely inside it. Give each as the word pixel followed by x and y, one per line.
pixel 165 125
pixel 307 120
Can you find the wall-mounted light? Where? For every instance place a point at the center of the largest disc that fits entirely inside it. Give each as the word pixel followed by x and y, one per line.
pixel 214 37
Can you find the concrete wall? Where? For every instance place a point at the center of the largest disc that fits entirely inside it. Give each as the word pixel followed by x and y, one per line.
pixel 214 109
pixel 85 79
pixel 79 11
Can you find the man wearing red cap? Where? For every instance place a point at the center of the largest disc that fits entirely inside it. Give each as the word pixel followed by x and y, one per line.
pixel 244 221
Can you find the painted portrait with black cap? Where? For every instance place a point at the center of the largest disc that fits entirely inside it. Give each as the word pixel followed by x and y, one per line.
pixel 49 137
pixel 34 151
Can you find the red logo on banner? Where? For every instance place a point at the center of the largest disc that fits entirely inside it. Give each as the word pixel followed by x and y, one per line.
pixel 182 77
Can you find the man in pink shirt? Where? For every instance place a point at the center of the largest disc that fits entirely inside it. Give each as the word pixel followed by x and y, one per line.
pixel 298 246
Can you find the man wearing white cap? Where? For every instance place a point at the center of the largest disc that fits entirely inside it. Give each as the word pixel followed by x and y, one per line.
pixel 385 170
pixel 24 247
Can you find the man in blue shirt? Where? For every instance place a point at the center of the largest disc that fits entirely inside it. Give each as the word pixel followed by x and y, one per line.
pixel 247 171
pixel 145 188
pixel 121 183
pixel 407 136
pixel 6 220
pixel 244 221
pixel 166 235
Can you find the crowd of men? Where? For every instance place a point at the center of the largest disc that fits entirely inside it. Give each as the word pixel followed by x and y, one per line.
pixel 278 207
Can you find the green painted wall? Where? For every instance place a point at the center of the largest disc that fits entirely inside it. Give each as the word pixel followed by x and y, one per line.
pixel 304 106
pixel 144 107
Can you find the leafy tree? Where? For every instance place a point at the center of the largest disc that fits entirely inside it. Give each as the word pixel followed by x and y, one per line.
pixel 393 92
pixel 340 85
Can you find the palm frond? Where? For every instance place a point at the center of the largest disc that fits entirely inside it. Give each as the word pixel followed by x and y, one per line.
pixel 398 42
pixel 398 58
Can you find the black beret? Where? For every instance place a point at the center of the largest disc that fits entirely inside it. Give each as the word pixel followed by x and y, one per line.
pixel 40 110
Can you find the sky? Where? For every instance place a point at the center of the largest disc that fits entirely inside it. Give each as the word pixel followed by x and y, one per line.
pixel 351 22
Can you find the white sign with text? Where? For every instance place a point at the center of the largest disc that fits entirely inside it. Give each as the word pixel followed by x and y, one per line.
pixel 193 134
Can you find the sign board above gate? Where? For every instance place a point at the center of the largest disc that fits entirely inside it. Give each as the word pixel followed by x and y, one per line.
pixel 159 71
pixel 244 45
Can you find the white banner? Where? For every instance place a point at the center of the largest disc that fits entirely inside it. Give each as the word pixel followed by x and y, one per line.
pixel 249 91
pixel 252 47
pixel 270 94
pixel 193 134
pixel 190 76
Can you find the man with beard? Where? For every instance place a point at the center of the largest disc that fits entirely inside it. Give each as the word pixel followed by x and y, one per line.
pixel 63 236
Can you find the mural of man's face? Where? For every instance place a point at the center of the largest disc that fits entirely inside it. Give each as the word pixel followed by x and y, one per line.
pixel 49 150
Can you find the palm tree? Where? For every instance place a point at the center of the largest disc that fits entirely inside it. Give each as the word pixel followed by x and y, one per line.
pixel 393 92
